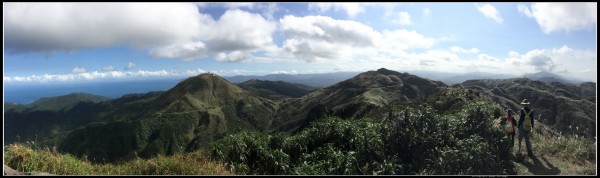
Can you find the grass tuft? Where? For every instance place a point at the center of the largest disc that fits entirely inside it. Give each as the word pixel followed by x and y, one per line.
pixel 25 158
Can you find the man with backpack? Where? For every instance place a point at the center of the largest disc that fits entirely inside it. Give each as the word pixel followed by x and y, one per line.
pixel 525 126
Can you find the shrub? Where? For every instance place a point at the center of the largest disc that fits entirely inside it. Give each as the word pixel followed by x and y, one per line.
pixel 411 140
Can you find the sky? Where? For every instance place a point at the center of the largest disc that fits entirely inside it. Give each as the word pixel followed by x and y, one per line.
pixel 73 42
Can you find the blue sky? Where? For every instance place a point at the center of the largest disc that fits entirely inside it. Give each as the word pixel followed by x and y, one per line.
pixel 67 42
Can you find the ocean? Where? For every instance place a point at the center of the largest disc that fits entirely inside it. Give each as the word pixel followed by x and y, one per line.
pixel 28 93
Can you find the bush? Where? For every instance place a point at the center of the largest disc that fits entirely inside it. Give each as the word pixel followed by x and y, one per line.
pixel 250 153
pixel 411 140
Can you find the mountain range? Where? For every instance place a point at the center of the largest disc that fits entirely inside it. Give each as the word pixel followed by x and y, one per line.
pixel 203 109
pixel 318 80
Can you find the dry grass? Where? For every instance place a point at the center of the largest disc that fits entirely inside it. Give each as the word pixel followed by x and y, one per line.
pixel 558 154
pixel 25 159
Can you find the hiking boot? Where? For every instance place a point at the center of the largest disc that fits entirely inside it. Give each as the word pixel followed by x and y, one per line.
pixel 530 154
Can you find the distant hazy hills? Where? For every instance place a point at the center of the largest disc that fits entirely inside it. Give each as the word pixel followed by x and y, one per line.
pixel 318 80
pixel 321 80
pixel 276 89
pixel 204 108
pixel 59 103
pixel 454 78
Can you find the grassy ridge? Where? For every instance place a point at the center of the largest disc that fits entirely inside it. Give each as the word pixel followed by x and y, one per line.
pixel 26 159
pixel 559 154
pixel 567 147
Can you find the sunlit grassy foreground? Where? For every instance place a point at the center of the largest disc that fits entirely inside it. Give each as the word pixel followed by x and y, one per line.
pixel 25 159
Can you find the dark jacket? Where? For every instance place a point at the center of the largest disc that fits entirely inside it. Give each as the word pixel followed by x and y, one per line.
pixel 522 116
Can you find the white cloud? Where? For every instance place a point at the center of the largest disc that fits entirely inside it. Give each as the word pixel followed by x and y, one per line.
pixel 108 68
pixel 240 30
pixel 95 75
pixel 404 39
pixel 235 56
pixel 564 60
pixel 562 16
pixel 485 57
pixel 235 30
pixel 540 60
pixel 312 38
pixel 436 55
pixel 231 72
pixel 513 54
pixel 72 26
pixel 456 49
pixel 130 65
pixel 524 10
pixel 402 18
pixel 312 50
pixel 266 9
pixel 426 11
pixel 328 29
pixel 490 11
pixel 168 30
pixel 78 69
pixel 184 51
pixel 352 9
pixel 320 38
pixel 143 73
pixel 236 5
pixel 284 72
pixel 193 72
pixel 23 79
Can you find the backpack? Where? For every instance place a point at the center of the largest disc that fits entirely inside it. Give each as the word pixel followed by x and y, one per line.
pixel 509 126
pixel 527 122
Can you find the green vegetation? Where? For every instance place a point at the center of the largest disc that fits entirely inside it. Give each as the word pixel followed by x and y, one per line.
pixel 412 140
pixel 64 103
pixel 26 159
pixel 556 154
pixel 47 120
pixel 566 147
pixel 561 105
pixel 276 89
pixel 379 122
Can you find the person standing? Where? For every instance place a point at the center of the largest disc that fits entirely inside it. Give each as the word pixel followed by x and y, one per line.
pixel 526 122
pixel 510 125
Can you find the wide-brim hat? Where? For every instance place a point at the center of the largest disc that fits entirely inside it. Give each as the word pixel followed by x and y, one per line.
pixel 525 102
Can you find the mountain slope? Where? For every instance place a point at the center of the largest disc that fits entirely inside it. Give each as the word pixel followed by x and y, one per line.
pixel 60 103
pixel 548 77
pixel 318 80
pixel 352 98
pixel 45 120
pixel 567 108
pixel 276 89
pixel 195 112
pixel 459 78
